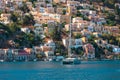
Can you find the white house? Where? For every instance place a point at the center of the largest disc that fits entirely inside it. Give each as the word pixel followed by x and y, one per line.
pixel 74 42
pixel 90 28
pixel 102 20
pixel 25 30
pixel 51 44
pixel 42 9
pixel 49 5
pixel 77 19
pixel 10 54
pixel 85 5
pixel 116 50
pixel 2 54
pixel 47 50
pixel 78 43
pixel 38 29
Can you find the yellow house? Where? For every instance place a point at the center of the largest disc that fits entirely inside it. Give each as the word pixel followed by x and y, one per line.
pixel 84 39
pixel 56 1
pixel 71 10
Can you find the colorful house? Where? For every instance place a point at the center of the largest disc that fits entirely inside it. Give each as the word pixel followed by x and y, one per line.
pixel 89 51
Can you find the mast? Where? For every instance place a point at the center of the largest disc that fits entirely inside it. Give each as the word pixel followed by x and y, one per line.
pixel 69 47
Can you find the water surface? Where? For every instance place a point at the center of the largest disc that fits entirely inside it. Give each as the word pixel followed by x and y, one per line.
pixel 87 70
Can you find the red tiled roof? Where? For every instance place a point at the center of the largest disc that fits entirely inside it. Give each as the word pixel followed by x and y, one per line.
pixel 46 48
pixel 22 52
pixel 90 47
pixel 28 50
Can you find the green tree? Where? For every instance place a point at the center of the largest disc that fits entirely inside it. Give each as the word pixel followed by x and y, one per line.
pixel 117 10
pixel 28 20
pixel 55 33
pixel 54 4
pixel 109 3
pixel 111 19
pixel 110 38
pixel 91 38
pixel 110 49
pixel 32 1
pixel 79 14
pixel 78 36
pixel 99 51
pixel 63 24
pixel 24 8
pixel 78 50
pixel 111 22
pixel 27 40
pixel 14 17
pixel 14 27
pixel 64 12
pixel 111 16
pixel 47 1
pixel 5 27
pixel 44 25
pixel 1 12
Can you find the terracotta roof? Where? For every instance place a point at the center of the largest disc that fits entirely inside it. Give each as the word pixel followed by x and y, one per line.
pixel 22 52
pixel 46 48
pixel 47 39
pixel 89 46
pixel 28 50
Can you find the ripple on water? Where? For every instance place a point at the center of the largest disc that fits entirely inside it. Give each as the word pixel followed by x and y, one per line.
pixel 96 70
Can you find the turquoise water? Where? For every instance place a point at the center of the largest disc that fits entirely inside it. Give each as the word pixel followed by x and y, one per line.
pixel 87 70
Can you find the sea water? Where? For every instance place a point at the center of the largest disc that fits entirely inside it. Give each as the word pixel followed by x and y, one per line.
pixel 87 70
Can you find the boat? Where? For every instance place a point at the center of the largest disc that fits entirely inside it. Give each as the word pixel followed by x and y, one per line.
pixel 58 58
pixel 1 60
pixel 14 60
pixel 48 59
pixel 70 59
pixel 34 60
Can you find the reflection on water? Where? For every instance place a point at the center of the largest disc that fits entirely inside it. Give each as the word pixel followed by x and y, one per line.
pixel 87 70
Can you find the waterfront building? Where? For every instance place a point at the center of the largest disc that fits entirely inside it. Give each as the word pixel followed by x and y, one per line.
pixel 89 51
pixel 2 54
pixel 24 55
pixel 10 55
pixel 116 50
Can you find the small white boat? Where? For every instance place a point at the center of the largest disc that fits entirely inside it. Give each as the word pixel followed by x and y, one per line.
pixel 71 61
pixel 1 60
pixel 58 58
pixel 34 60
pixel 50 59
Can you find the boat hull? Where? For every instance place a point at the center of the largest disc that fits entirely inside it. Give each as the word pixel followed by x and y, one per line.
pixel 71 61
